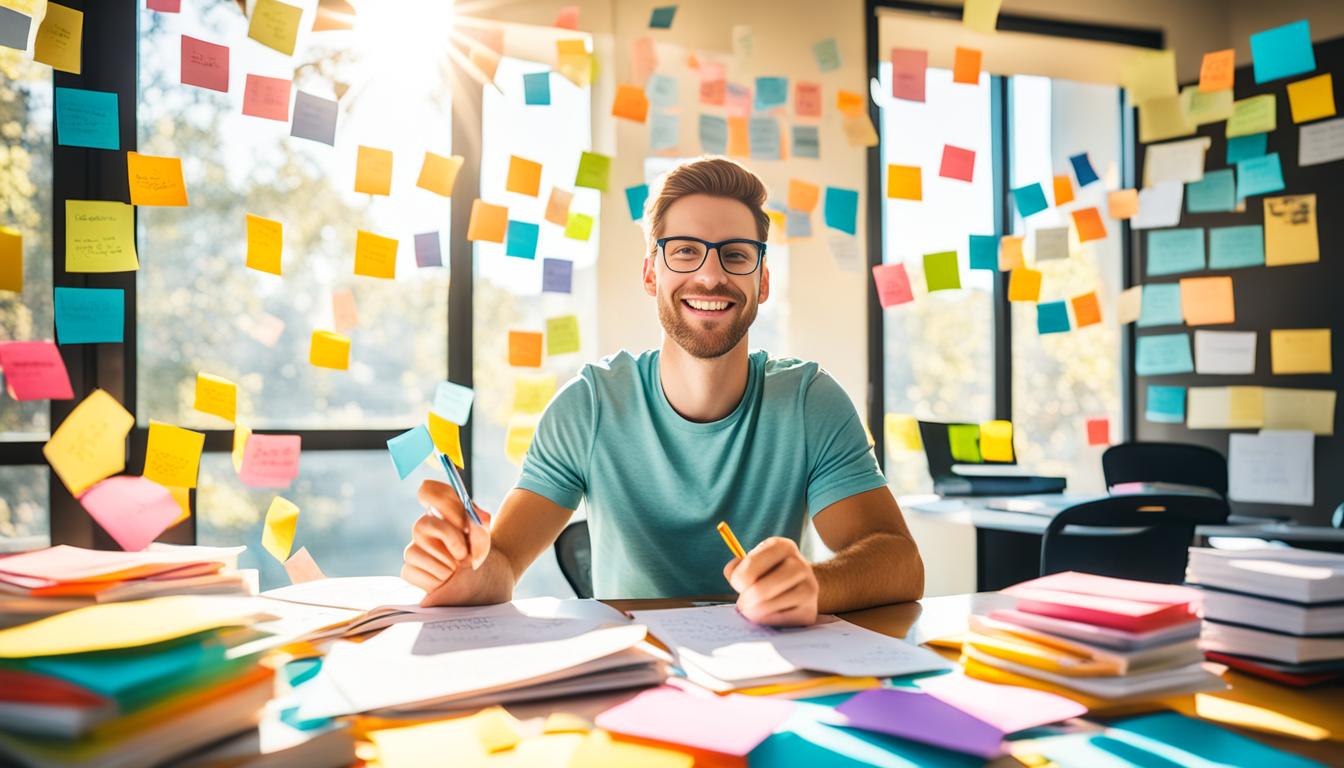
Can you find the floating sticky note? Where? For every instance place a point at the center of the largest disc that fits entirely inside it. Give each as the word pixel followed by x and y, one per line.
pixel 1086 309
pixel 264 239
pixel 173 455
pixel 630 103
pixel 1052 317
pixel 438 174
pixel 940 271
pixel 806 142
pixel 557 275
pixel 664 131
pixel 1150 75
pixel 803 195
pixel 713 134
pixel 1122 203
pixel 1242 147
pixel 579 226
pixel 980 15
pixel 850 103
pixel 964 440
pixel 315 118
pixel 557 206
pixel 375 255
pixel 1010 252
pixel 1165 117
pixel 966 66
pixel 155 180
pixel 1290 230
pixel 798 224
pixel 1161 305
pixel 91 443
pixel 277 533
pixel 594 170
pixel 1213 193
pixel 827 54
pixel 410 449
pixel 1256 114
pixel 488 222
pixel 1166 404
pixel 1236 247
pixel 562 335
pixel 1305 350
pixel 531 394
pixel 428 250
pixel 1163 354
pixel 1129 304
pixel 87 119
pixel 60 38
pixel 1024 284
pixel 662 90
pixel 1282 52
pixel 807 99
pixel 1082 169
pixel 537 88
pixel 957 163
pixel 90 315
pixel 1172 251
pixel 1089 224
pixel 525 348
pixel 1052 243
pixel 1063 187
pixel 984 250
pixel 903 182
pixel 763 133
pixel 270 461
pixel 275 25
pixel 1216 71
pixel 133 510
pixel 11 260
pixel 205 65
pixel 216 395
pixel 1029 199
pixel 841 209
pixel 240 437
pixel 1098 431
pixel 34 370
pixel 1207 300
pixel 573 61
pixel 908 67
pixel 522 239
pixel 893 285
pixel 1206 108
pixel 524 176
pixel 996 441
pixel 14 27
pixel 453 401
pixel 859 131
pixel 329 350
pixel 266 97
pixel 301 568
pixel 1312 99
pixel 1259 175
pixel 635 198
pixel 662 16
pixel 902 432
pixel 373 171
pixel 447 437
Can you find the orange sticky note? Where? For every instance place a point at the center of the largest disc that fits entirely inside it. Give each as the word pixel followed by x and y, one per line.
pixel 264 241
pixel 373 171
pixel 488 222
pixel 11 260
pixel 439 173
pixel 1063 190
pixel 525 348
pixel 375 255
pixel 1024 285
pixel 803 196
pixel 524 176
pixel 155 180
pixel 1010 252
pixel 329 350
pixel 630 103
pixel 966 66
pixel 1099 431
pixel 903 182
pixel 1207 300
pixel 739 143
pixel 849 103
pixel 1089 224
pixel 557 207
pixel 1086 310
pixel 1216 71
pixel 1122 203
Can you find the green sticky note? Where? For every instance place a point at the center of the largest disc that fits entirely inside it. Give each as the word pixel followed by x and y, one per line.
pixel 1252 115
pixel 594 170
pixel 580 226
pixel 964 440
pixel 562 335
pixel 940 271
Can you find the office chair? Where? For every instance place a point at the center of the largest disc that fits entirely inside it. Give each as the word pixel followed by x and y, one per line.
pixel 1143 536
pixel 1177 463
pixel 574 553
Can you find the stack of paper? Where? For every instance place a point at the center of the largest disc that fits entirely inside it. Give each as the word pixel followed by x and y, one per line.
pixel 1277 613
pixel 1095 639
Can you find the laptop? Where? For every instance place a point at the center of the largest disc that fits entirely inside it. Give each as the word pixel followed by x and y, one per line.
pixel 960 476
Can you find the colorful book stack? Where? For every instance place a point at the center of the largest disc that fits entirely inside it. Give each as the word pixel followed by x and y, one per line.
pixel 1276 613
pixel 1101 641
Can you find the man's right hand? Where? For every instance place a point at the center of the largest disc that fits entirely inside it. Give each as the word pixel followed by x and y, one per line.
pixel 443 544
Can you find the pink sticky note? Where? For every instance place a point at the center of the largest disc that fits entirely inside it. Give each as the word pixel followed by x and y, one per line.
pixel 893 285
pixel 907 73
pixel 266 97
pixel 807 99
pixel 205 65
pixel 133 510
pixel 1010 708
pixel 729 725
pixel 302 567
pixel 643 59
pixel 164 6
pixel 34 370
pixel 923 718
pixel 568 17
pixel 270 461
pixel 957 163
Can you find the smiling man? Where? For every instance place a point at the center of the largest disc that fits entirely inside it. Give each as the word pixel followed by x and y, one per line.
pixel 666 443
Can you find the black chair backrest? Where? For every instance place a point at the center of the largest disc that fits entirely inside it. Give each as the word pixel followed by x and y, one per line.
pixel 1142 536
pixel 574 553
pixel 1178 463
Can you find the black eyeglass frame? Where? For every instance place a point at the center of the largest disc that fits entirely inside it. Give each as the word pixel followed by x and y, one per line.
pixel 717 248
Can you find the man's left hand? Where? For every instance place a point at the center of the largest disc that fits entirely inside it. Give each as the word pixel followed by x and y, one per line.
pixel 775 584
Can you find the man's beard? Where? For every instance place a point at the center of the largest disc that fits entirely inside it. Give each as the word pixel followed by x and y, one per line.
pixel 703 342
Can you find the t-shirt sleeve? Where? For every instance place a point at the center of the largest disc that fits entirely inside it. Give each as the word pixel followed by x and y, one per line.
pixel 840 462
pixel 556 465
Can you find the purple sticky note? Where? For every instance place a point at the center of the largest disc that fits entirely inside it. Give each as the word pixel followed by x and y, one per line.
pixel 557 275
pixel 923 718
pixel 427 253
pixel 1010 708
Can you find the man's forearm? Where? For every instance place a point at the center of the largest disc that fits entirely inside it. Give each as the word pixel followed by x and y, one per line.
pixel 878 569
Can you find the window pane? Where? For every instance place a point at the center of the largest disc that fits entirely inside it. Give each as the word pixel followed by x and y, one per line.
pixel 1060 380
pixel 24 521
pixel 200 308
pixel 939 358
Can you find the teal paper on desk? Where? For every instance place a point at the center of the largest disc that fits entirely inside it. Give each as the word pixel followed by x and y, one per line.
pixel 1163 355
pixel 1161 305
pixel 1213 193
pixel 1242 147
pixel 87 119
pixel 805 740
pixel 1172 251
pixel 1165 739
pixel 1259 175
pixel 1166 404
pixel 90 315
pixel 1282 52
pixel 1236 247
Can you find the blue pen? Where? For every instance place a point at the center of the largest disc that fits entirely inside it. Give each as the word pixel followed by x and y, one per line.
pixel 460 487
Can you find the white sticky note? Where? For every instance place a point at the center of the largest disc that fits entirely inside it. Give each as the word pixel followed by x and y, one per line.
pixel 1273 467
pixel 1225 352
pixel 1181 161
pixel 1159 205
pixel 1321 142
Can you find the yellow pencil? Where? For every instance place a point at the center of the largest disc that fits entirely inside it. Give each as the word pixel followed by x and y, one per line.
pixel 731 540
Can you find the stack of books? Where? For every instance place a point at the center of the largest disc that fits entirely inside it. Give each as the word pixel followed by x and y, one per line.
pixel 1275 613
pixel 1101 641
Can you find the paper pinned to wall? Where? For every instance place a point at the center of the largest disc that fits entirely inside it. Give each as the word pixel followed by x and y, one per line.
pixel 1206 108
pixel 1300 350
pixel 1256 114
pixel 1163 354
pixel 1207 300
pixel 893 285
pixel 87 119
pixel 204 64
pixel 1166 404
pixel 1165 117
pixel 1236 247
pixel 1161 305
pixel 1282 52
pixel 1290 230
pixel 1217 70
pixel 1309 409
pixel 908 68
pixel 90 315
pixel 1225 352
pixel 1150 75
pixel 1172 251
pixel 1312 99
pixel 1181 161
pixel 1321 142
pixel 1272 467
pixel 217 396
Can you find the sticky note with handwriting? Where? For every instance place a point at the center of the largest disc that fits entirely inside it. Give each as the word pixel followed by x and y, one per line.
pixel 173 455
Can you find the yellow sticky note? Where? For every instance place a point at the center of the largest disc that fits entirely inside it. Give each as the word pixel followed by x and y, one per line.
pixel 470 740
pixel 803 196
pixel 572 61
pixel 1309 409
pixel 373 171
pixel 275 25
pixel 173 455
pixel 903 182
pixel 599 750
pixel 375 255
pixel 1290 230
pixel 859 131
pixel 981 15
pixel 488 222
pixel 1304 350
pixel 902 432
pixel 1149 75
pixel 90 445
pixel 216 395
pixel 99 236
pixel 531 394
pixel 183 498
pixel 1024 285
pixel 447 438
pixel 1165 117
pixel 1245 407
pixel 518 436
pixel 557 207
pixel 996 440
pixel 564 722
pixel 329 350
pixel 60 38
pixel 11 260
pixel 438 174
pixel 264 242
pixel 1257 114
pixel 240 435
pixel 1312 99
pixel 562 335
pixel 277 536
pixel 155 180
pixel 524 176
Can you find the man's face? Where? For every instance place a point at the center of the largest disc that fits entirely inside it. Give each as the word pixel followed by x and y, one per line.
pixel 691 305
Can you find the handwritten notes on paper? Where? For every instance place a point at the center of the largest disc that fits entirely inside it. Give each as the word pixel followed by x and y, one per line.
pixel 1290 230
pixel 90 315
pixel 1163 354
pixel 275 25
pixel 60 39
pixel 173 455
pixel 87 119
pixel 1259 175
pixel 1236 247
pixel 1175 161
pixel 217 396
pixel 375 255
pixel 1216 70
pixel 1321 142
pixel 315 118
pixel 34 370
pixel 155 180
pixel 91 443
pixel 1225 352
pixel 99 236
pixel 277 533
pixel 1161 305
pixel 1172 251
pixel 1252 115
pixel 266 97
pixel 264 240
pixel 908 68
pixel 892 284
pixel 270 461
pixel 1216 192
pixel 205 65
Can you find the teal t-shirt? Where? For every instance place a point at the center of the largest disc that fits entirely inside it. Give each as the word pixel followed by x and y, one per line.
pixel 657 484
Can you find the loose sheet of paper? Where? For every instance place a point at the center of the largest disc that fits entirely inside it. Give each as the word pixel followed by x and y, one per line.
pixel 1273 467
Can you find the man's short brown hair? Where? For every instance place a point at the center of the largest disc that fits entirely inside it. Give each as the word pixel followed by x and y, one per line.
pixel 714 176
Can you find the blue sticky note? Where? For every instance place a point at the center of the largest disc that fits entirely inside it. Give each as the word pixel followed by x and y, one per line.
pixel 661 18
pixel 1282 52
pixel 664 130
pixel 557 276
pixel 1215 192
pixel 661 90
pixel 1164 354
pixel 771 92
pixel 1259 175
pixel 985 252
pixel 1082 169
pixel 1166 405
pixel 807 739
pixel 87 119
pixel 90 315
pixel 1172 251
pixel 119 675
pixel 842 209
pixel 427 250
pixel 410 449
pixel 635 197
pixel 763 133
pixel 1242 147
pixel 1236 247
pixel 827 54
pixel 713 134
pixel 522 240
pixel 1052 317
pixel 798 224
pixel 1029 199
pixel 453 401
pixel 1161 305
pixel 806 142
pixel 537 88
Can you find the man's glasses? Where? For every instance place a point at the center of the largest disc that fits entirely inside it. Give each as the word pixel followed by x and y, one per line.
pixel 738 256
